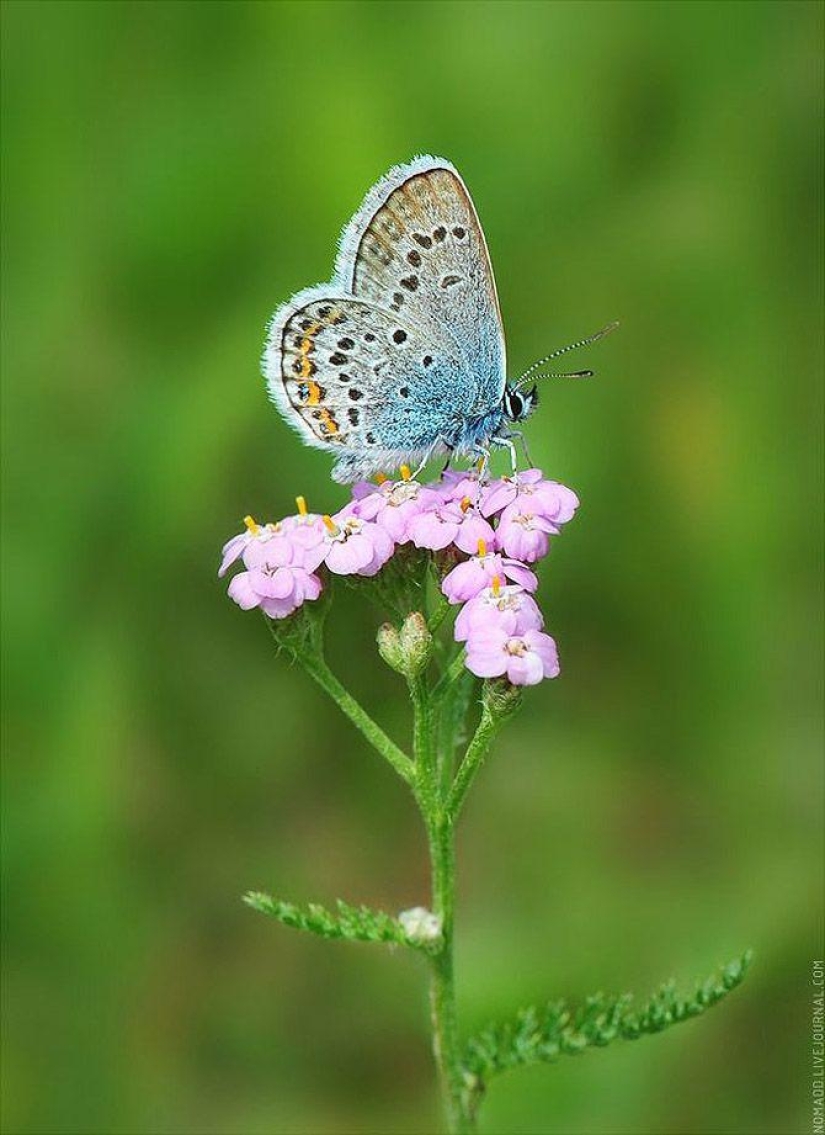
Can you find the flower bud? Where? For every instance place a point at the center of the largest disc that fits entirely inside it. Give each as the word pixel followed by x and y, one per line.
pixel 416 643
pixel 406 651
pixel 389 647
pixel 420 924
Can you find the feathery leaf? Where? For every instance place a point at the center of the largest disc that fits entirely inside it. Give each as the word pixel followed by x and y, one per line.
pixel 356 924
pixel 543 1034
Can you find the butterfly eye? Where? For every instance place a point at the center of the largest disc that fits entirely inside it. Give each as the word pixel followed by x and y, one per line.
pixel 513 405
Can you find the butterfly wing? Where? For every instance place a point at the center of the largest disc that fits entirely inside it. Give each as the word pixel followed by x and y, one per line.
pixel 386 362
pixel 416 247
pixel 362 381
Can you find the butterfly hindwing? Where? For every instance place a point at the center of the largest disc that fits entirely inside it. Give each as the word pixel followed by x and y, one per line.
pixel 416 247
pixel 360 380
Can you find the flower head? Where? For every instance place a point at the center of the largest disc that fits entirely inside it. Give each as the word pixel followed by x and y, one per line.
pixel 545 498
pixel 391 504
pixel 467 579
pixel 523 659
pixel 233 549
pixel 455 484
pixel 353 546
pixel 306 530
pixel 509 607
pixel 443 522
pixel 277 589
pixel 523 534
pixel 485 534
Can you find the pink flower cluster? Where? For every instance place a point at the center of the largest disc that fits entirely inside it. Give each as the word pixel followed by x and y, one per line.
pixel 499 528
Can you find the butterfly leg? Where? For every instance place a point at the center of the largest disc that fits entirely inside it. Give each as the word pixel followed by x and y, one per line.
pixel 506 443
pixel 441 443
pixel 483 452
pixel 450 455
pixel 519 435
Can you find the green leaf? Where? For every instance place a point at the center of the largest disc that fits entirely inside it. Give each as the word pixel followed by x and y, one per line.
pixel 543 1034
pixel 356 924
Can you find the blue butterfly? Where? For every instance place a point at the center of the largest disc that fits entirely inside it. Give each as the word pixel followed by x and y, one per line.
pixel 401 356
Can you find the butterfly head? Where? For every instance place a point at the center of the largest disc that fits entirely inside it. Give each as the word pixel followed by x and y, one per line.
pixel 519 404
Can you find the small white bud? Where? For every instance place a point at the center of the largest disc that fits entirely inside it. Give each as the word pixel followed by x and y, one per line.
pixel 420 924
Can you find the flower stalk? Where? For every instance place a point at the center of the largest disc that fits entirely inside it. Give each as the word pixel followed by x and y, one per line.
pixel 474 546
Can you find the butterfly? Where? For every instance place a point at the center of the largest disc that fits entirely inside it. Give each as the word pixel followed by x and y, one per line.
pixel 401 356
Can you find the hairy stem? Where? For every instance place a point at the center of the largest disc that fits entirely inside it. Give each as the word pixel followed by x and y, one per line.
pixel 320 671
pixel 446 1043
pixel 454 670
pixel 473 759
pixel 430 793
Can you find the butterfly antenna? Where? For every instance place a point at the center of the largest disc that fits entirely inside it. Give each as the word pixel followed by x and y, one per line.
pixel 531 370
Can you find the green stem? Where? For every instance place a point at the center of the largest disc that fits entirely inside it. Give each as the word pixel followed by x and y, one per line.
pixel 453 672
pixel 446 1044
pixel 440 839
pixel 320 671
pixel 438 616
pixel 473 759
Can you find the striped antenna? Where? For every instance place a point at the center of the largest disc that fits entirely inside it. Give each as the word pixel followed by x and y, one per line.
pixel 531 370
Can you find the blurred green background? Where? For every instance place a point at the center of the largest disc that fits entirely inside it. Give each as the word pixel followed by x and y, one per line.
pixel 171 172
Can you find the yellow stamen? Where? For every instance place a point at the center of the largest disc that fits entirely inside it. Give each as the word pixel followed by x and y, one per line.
pixel 252 525
pixel 496 586
pixel 482 547
pixel 302 505
pixel 465 504
pixel 331 526
pixel 405 473
pixel 381 478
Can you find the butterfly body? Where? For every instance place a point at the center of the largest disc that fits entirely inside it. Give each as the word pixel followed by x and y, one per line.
pixel 401 356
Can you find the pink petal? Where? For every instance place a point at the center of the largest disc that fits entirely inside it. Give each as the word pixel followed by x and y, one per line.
pixel 364 489
pixel 520 575
pixel 346 557
pixel 463 622
pixel 464 582
pixel 523 544
pixel 241 590
pixel 279 608
pixel 306 586
pixel 369 507
pixel 557 501
pixel 528 616
pixel 395 521
pixel 474 528
pixel 231 551
pixel 427 531
pixel 382 542
pixel 277 551
pixel 544 647
pixel 489 637
pixel 272 585
pixel 497 496
pixel 486 664
pixel 525 669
